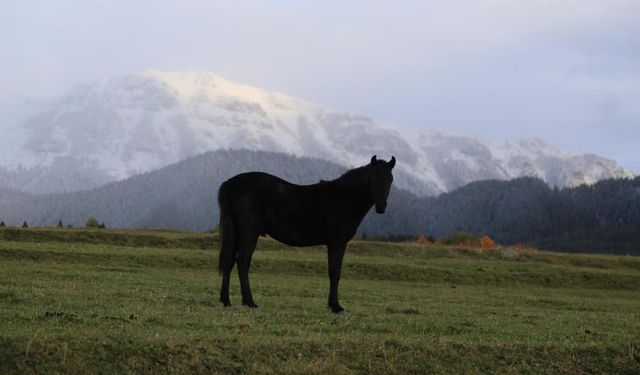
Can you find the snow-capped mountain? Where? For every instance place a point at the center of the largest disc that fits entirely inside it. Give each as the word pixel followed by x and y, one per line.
pixel 119 127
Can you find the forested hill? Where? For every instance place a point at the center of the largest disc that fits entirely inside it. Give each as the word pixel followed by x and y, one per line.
pixel 179 196
pixel 604 217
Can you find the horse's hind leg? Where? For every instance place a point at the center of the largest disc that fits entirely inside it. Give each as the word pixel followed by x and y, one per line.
pixel 224 289
pixel 246 246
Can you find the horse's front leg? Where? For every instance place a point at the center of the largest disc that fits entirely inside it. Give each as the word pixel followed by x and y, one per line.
pixel 335 253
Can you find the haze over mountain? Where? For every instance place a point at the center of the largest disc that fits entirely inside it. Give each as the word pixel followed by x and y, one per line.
pixel 122 126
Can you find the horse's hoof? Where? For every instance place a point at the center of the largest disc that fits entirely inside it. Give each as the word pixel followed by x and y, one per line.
pixel 226 303
pixel 336 309
pixel 250 305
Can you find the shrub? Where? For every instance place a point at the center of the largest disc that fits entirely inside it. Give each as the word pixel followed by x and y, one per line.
pixel 92 222
pixel 487 242
pixel 424 239
pixel 461 239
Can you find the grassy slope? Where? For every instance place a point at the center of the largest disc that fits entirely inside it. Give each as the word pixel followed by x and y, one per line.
pixel 144 301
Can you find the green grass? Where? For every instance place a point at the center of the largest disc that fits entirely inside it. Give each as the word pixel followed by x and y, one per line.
pixel 112 301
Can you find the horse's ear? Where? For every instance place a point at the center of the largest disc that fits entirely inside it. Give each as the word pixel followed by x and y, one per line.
pixel 374 159
pixel 392 162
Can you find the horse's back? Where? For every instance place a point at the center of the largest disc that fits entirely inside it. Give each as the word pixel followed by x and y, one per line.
pixel 258 191
pixel 286 211
pixel 256 183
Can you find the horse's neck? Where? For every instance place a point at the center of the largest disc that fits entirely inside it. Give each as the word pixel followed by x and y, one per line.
pixel 358 198
pixel 354 186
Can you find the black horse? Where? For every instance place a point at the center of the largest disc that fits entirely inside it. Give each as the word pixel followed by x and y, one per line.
pixel 327 213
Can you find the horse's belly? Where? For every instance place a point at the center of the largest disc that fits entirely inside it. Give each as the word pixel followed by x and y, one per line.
pixel 297 234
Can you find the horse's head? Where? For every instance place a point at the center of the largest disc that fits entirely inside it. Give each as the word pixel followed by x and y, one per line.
pixel 380 179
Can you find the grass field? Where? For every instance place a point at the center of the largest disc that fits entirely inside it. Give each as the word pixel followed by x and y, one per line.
pixel 79 301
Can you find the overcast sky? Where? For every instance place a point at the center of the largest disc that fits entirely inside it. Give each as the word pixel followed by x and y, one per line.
pixel 565 71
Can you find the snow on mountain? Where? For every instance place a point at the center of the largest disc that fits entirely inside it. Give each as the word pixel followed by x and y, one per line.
pixel 122 126
pixel 14 111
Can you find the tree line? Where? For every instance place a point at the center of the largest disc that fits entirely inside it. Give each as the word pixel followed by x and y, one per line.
pixel 604 217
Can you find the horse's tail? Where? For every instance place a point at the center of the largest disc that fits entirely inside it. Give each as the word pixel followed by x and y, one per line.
pixel 227 233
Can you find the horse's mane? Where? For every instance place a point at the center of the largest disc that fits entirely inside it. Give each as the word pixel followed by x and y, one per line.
pixel 354 178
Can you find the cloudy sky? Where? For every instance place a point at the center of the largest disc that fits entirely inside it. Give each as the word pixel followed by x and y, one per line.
pixel 566 71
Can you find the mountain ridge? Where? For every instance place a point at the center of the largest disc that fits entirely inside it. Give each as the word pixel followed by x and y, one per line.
pixel 122 126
